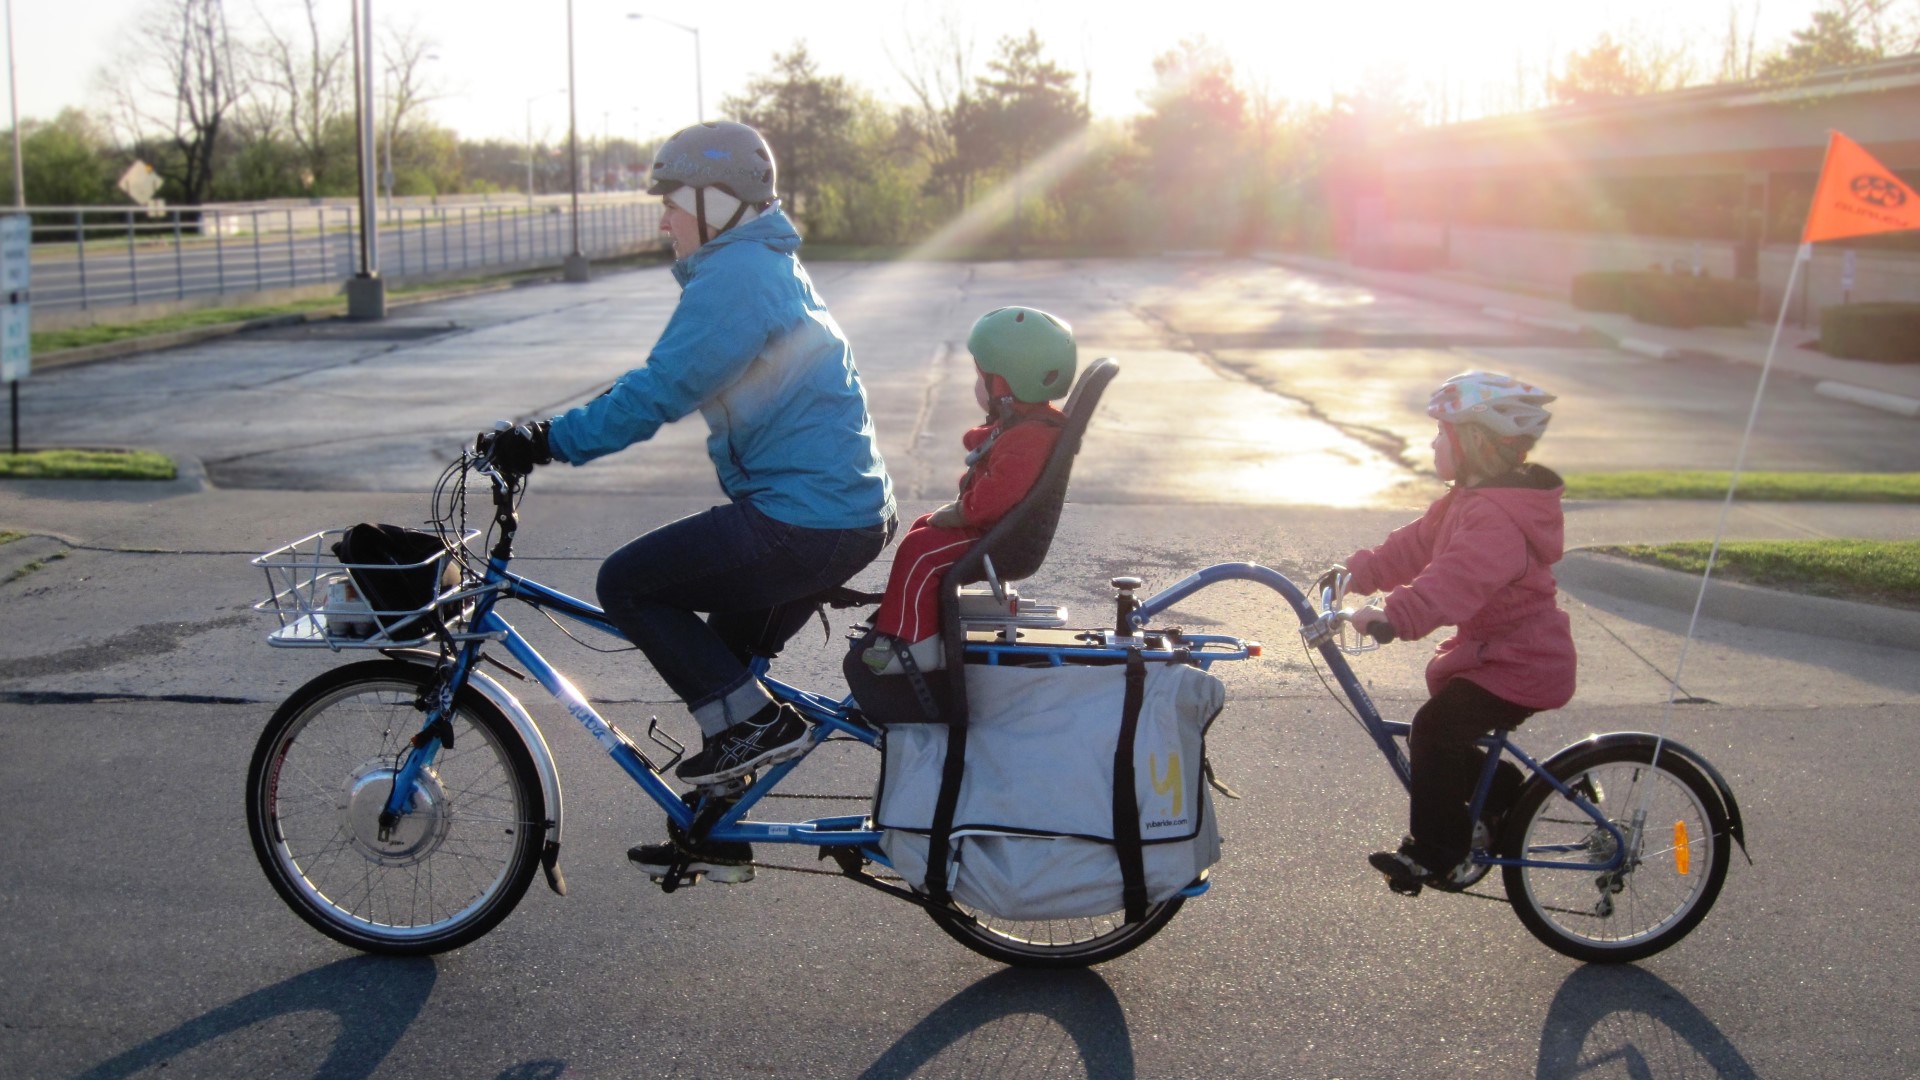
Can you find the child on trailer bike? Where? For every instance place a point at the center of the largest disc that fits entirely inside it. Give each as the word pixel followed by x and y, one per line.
pixel 1024 359
pixel 1479 559
pixel 752 347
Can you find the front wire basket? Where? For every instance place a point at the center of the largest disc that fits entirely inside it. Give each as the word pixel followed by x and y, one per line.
pixel 312 594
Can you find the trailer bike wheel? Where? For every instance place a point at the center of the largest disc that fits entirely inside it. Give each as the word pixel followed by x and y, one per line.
pixel 1053 943
pixel 450 870
pixel 1677 864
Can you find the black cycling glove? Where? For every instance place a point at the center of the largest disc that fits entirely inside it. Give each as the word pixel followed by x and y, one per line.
pixel 517 450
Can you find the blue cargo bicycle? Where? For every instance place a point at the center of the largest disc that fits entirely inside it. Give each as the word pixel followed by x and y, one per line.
pixel 404 804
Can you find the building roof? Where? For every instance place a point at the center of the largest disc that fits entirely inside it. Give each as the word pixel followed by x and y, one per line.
pixel 1773 125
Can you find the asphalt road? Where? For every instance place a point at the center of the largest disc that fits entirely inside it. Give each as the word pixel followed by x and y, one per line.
pixel 139 937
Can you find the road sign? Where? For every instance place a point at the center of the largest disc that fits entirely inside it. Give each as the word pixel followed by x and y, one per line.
pixel 16 273
pixel 140 182
pixel 16 356
pixel 1846 271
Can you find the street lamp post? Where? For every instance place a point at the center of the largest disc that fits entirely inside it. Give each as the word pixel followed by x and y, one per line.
pixel 699 86
pixel 575 268
pixel 366 292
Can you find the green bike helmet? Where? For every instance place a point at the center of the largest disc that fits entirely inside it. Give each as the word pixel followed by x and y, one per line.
pixel 1032 350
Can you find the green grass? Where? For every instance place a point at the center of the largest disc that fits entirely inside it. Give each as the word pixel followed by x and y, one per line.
pixel 82 336
pixel 1873 571
pixel 86 465
pixel 1754 486
pixel 8 536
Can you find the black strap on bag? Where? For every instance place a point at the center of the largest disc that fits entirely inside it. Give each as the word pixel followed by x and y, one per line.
pixel 951 771
pixel 1126 800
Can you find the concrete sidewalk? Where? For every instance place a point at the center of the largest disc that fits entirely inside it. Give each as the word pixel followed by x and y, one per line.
pixel 1893 388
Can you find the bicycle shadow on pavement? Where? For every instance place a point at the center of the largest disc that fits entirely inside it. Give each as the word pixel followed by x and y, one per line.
pixel 1053 1015
pixel 370 1002
pixel 1624 1018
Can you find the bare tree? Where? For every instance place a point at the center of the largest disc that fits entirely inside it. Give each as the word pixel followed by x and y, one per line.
pixel 938 69
pixel 404 54
pixel 175 85
pixel 1737 52
pixel 309 79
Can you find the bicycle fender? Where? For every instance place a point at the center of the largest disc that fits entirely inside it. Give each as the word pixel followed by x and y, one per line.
pixel 1667 746
pixel 536 744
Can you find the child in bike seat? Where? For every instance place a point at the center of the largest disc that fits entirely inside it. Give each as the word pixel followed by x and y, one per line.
pixel 1481 560
pixel 1024 359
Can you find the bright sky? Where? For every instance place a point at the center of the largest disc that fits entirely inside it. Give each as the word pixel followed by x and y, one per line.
pixel 636 78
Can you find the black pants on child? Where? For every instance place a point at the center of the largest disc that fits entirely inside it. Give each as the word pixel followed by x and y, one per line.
pixel 1446 767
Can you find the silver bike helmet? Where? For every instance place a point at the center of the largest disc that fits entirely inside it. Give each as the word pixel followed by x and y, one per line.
pixel 716 154
pixel 1501 404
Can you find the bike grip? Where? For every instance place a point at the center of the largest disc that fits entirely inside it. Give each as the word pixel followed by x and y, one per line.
pixel 1382 632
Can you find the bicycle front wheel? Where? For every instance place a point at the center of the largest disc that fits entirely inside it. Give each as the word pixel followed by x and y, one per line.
pixel 452 868
pixel 1677 856
pixel 1053 943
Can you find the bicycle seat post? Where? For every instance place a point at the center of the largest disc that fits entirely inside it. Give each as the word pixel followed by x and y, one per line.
pixel 1124 605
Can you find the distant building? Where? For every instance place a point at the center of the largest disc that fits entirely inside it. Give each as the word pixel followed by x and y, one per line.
pixel 1719 177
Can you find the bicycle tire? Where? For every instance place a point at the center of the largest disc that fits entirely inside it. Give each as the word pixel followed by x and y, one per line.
pixel 1651 904
pixel 1053 943
pixel 456 866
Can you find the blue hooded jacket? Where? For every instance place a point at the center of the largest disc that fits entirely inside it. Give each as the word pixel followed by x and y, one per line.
pixel 753 348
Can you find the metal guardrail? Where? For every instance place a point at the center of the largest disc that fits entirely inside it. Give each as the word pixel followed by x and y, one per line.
pixel 92 257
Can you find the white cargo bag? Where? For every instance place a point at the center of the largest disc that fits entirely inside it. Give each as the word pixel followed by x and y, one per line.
pixel 1034 829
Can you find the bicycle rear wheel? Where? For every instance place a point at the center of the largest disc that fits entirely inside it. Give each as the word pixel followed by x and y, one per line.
pixel 1653 900
pixel 1053 943
pixel 453 867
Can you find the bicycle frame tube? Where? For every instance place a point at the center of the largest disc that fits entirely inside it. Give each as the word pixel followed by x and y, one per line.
pixel 1381 730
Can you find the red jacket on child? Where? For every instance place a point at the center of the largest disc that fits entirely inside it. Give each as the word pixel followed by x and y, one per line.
pixel 1481 559
pixel 996 480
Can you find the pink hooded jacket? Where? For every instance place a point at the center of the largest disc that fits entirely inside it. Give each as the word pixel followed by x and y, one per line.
pixel 1481 559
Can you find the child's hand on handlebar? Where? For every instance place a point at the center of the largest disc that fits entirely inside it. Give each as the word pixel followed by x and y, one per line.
pixel 1372 622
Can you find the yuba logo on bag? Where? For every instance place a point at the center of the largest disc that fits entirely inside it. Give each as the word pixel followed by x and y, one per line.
pixel 1171 787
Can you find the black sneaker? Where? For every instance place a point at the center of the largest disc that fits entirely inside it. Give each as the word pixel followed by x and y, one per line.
pixel 728 862
pixel 775 734
pixel 1407 876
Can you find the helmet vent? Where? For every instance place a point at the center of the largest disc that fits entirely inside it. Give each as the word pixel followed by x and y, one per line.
pixel 1019 316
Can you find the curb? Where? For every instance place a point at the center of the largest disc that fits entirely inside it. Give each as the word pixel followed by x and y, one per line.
pixel 1582 572
pixel 1897 404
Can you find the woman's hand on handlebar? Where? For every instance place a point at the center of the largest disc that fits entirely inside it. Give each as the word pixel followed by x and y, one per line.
pixel 515 450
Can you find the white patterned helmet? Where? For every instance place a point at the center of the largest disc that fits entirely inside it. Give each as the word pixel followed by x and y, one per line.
pixel 1501 404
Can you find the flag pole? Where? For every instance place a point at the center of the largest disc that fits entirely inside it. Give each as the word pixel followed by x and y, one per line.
pixel 1800 258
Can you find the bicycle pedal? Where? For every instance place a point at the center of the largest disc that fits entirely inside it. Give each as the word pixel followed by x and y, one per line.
pixel 721 789
pixel 1404 888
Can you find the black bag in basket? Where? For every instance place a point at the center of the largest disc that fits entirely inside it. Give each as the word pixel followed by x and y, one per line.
pixel 382 560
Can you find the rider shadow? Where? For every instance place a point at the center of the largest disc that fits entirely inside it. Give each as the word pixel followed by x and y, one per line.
pixel 1608 1017
pixel 372 1002
pixel 1065 1012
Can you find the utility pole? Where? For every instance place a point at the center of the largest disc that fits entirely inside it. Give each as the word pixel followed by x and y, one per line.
pixel 366 291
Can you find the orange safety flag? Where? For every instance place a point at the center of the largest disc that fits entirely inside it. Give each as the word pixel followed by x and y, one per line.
pixel 1858 196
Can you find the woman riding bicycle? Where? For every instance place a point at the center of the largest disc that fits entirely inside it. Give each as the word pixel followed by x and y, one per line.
pixel 753 348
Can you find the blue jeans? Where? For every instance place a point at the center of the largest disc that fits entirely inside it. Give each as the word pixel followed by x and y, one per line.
pixel 750 575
